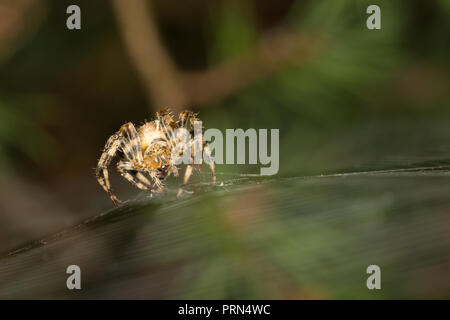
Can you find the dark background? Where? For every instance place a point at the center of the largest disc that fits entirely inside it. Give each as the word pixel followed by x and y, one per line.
pixel 345 98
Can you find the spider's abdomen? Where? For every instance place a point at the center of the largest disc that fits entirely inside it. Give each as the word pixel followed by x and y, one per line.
pixel 148 133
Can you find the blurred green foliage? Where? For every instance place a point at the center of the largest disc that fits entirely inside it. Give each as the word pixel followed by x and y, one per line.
pixel 353 81
pixel 21 130
pixel 365 101
pixel 355 76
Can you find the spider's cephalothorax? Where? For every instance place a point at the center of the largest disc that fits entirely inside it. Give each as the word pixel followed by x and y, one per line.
pixel 153 149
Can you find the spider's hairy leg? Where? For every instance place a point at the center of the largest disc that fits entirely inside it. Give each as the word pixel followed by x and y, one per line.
pixel 154 175
pixel 159 187
pixel 167 125
pixel 183 118
pixel 210 161
pixel 197 154
pixel 132 147
pixel 125 139
pixel 143 178
pixel 128 171
pixel 173 170
pixel 187 175
pixel 111 147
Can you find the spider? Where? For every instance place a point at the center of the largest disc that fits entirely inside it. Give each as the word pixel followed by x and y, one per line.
pixel 153 149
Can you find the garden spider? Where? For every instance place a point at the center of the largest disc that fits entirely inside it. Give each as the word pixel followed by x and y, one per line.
pixel 154 149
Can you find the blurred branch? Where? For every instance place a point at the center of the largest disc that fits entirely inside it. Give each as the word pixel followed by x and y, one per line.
pixel 168 86
pixel 150 58
pixel 275 51
pixel 15 19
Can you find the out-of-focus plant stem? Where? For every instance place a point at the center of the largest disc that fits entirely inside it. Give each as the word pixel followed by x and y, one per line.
pixel 166 85
pixel 149 56
pixel 15 20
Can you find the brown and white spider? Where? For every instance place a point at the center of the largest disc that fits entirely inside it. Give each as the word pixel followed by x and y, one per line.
pixel 155 148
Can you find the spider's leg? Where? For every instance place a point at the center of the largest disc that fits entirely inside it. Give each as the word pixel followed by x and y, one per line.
pixel 143 178
pixel 210 161
pixel 125 139
pixel 132 146
pixel 183 118
pixel 173 170
pixel 128 171
pixel 158 183
pixel 187 175
pixel 111 147
pixel 197 154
